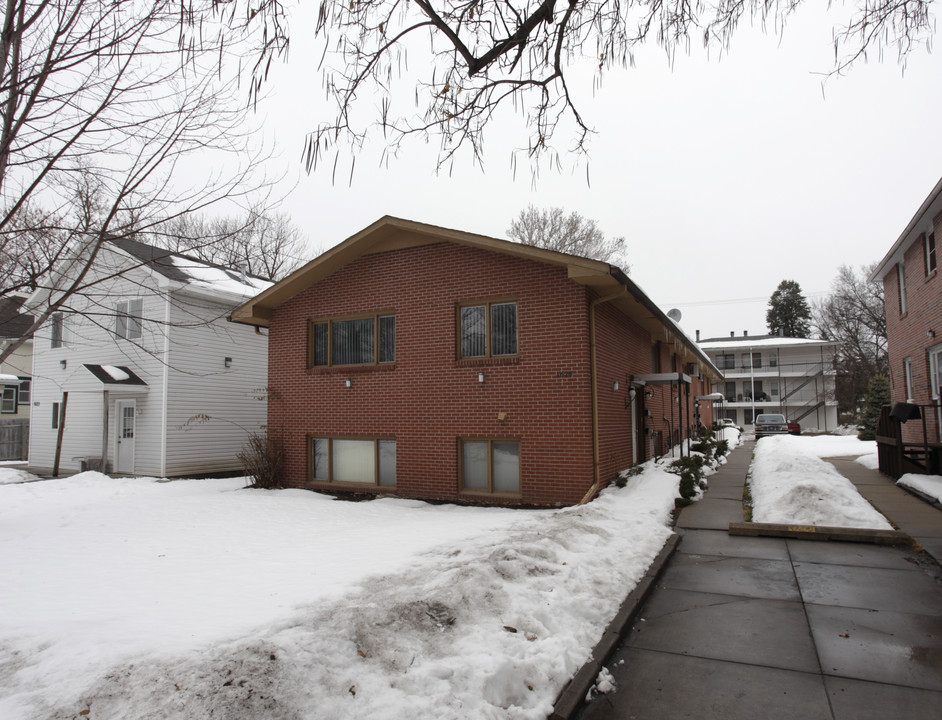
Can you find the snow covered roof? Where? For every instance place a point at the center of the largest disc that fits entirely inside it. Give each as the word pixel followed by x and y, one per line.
pixel 192 272
pixel 111 375
pixel 753 341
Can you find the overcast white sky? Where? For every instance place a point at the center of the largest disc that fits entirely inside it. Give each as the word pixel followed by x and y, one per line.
pixel 725 175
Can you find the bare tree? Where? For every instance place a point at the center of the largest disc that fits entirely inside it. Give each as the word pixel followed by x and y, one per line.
pixel 572 233
pixel 101 106
pixel 477 56
pixel 262 242
pixel 854 315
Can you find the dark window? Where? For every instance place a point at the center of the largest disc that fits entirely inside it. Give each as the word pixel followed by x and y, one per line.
pixel 55 416
pixel 24 391
pixel 487 330
pixel 726 361
pixel 930 253
pixel 363 461
pixel 354 341
pixel 491 466
pixel 57 326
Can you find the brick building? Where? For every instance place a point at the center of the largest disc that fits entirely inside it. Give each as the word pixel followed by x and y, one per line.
pixel 913 291
pixel 432 363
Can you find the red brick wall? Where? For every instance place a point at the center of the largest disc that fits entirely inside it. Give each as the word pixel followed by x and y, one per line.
pixel 907 333
pixel 428 399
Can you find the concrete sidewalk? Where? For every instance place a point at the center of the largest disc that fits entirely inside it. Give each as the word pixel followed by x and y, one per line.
pixel 749 628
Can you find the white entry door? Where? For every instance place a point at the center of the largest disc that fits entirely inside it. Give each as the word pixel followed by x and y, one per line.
pixel 124 411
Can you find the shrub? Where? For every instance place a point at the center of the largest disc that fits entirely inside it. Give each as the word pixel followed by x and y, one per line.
pixel 263 460
pixel 690 469
pixel 878 395
pixel 622 479
pixel 722 448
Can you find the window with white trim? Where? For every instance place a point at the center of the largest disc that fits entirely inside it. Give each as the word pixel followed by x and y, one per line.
pixel 8 401
pixel 935 371
pixel 360 340
pixel 355 460
pixel 901 276
pixel 487 329
pixel 489 466
pixel 56 329
pixel 726 361
pixel 931 262
pixel 908 377
pixel 128 315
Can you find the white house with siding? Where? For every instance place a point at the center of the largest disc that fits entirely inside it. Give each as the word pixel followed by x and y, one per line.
pixel 773 374
pixel 141 373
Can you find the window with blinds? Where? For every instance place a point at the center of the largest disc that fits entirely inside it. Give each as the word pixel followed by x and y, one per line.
pixel 363 340
pixel 487 329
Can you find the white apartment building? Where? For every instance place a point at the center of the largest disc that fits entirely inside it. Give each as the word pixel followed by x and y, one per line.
pixel 773 374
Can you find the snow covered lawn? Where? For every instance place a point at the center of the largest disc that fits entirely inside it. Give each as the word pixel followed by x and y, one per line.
pixel 791 484
pixel 134 598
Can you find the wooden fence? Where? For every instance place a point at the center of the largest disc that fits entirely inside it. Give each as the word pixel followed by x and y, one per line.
pixel 14 439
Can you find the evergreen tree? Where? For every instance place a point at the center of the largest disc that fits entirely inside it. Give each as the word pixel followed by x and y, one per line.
pixel 878 395
pixel 789 313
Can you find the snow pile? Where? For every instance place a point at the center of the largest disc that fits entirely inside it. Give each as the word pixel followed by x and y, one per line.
pixel 823 446
pixel 116 373
pixel 11 475
pixel 929 485
pixel 133 598
pixel 791 484
pixel 871 462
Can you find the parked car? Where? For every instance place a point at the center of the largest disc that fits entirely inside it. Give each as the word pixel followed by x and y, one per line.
pixel 725 423
pixel 794 429
pixel 770 424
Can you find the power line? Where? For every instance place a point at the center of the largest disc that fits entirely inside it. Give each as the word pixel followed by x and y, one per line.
pixel 734 301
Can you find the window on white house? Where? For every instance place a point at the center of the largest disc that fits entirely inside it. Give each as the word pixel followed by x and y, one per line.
pixel 487 330
pixel 908 377
pixel 726 361
pixel 773 388
pixel 8 401
pixel 490 466
pixel 773 359
pixel 931 262
pixel 363 340
pixel 361 461
pixel 128 318
pixel 901 275
pixel 729 391
pixel 56 329
pixel 755 361
pixel 24 393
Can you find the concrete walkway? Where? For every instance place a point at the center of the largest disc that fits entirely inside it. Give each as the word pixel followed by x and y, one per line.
pixel 765 628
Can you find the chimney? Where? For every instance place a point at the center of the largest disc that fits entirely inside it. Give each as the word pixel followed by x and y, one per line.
pixel 732 333
pixel 698 336
pixel 745 333
pixel 781 332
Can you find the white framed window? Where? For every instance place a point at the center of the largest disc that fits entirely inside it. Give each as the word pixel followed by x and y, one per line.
pixel 931 261
pixel 489 466
pixel 901 276
pixel 57 330
pixel 128 318
pixel 935 371
pixel 8 402
pixel 908 377
pixel 24 393
pixel 773 388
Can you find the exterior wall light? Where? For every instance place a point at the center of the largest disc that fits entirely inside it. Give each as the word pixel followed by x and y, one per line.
pixel 348 382
pixel 480 377
pixel 615 385
pixel 63 364
pixel 930 334
pixel 227 362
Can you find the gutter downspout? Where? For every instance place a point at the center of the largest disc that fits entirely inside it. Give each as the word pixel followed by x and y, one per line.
pixel 593 371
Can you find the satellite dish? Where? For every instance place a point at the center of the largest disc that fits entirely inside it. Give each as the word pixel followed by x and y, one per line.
pixel 674 315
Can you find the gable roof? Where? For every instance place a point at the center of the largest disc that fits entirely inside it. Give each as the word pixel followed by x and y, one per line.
pixel 13 323
pixel 391 233
pixel 931 207
pixel 192 272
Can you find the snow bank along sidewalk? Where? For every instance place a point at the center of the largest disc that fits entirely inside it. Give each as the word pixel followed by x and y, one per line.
pixel 791 484
pixel 929 487
pixel 137 599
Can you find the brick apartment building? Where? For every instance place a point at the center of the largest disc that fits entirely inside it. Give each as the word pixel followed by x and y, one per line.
pixel 432 363
pixel 913 292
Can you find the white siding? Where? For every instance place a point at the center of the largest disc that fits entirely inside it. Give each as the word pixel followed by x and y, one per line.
pixel 198 339
pixel 89 338
pixel 212 409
